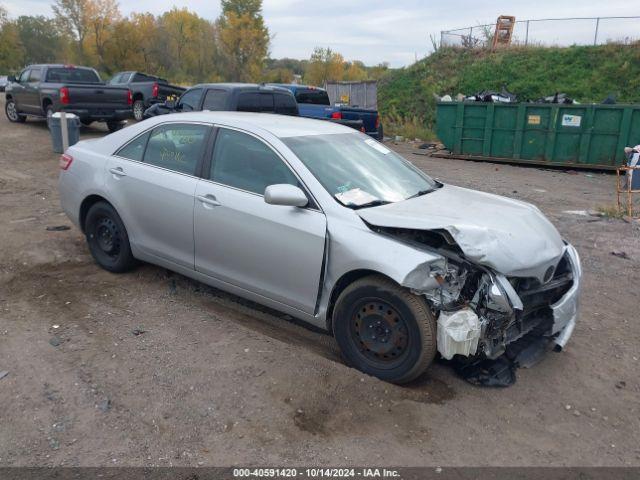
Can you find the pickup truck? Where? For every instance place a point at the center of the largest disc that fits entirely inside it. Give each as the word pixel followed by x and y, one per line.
pixel 146 90
pixel 41 90
pixel 313 102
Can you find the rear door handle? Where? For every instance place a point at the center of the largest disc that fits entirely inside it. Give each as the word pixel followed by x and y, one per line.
pixel 209 200
pixel 118 172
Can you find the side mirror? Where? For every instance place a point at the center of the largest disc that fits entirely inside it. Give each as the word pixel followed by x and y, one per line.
pixel 286 195
pixel 11 78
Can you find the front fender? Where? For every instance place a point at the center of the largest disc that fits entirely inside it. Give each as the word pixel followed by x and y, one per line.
pixel 353 247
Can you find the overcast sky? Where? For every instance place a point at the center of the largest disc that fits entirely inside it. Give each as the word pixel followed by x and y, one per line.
pixel 397 31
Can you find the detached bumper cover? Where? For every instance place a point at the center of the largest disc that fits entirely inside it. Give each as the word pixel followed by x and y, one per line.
pixel 565 311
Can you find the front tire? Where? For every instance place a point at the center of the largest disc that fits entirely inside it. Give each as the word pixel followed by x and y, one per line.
pixel 384 330
pixel 107 239
pixel 11 111
pixel 138 110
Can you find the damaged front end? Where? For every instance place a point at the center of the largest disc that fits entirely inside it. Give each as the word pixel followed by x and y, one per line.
pixel 483 314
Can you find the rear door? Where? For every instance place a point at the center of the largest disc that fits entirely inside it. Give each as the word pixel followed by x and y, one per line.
pixel 152 180
pixel 270 250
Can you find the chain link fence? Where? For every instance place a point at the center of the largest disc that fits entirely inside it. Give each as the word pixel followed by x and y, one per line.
pixel 550 32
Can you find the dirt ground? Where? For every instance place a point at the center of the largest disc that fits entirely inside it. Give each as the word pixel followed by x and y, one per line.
pixel 215 380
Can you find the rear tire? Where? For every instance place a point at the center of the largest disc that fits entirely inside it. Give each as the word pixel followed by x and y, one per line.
pixel 138 110
pixel 11 111
pixel 384 330
pixel 114 126
pixel 108 239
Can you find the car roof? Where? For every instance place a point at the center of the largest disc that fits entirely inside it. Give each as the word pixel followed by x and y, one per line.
pixel 295 86
pixel 241 86
pixel 58 65
pixel 281 126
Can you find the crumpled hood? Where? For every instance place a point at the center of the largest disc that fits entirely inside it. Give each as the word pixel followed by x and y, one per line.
pixel 512 237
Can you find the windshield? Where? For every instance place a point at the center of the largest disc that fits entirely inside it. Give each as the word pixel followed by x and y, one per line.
pixel 358 171
pixel 72 75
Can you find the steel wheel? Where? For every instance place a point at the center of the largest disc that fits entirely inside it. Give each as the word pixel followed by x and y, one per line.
pixel 379 331
pixel 107 238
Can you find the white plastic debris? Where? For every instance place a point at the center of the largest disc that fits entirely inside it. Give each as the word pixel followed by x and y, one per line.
pixel 458 333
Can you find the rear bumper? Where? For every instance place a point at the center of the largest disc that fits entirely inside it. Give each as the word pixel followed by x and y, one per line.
pixel 101 115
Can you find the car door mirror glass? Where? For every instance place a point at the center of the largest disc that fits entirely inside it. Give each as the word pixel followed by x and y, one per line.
pixel 285 195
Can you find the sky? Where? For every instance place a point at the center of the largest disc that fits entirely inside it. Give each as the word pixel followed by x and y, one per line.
pixel 398 31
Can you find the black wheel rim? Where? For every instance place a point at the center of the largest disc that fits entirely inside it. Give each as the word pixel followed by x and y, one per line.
pixel 379 332
pixel 107 237
pixel 11 111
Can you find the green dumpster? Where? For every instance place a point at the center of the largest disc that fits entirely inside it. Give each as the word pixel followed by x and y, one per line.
pixel 589 136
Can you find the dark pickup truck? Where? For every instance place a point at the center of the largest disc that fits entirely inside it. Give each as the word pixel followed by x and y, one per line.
pixel 41 90
pixel 146 90
pixel 314 102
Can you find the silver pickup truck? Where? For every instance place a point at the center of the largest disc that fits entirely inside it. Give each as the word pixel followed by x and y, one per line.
pixel 41 90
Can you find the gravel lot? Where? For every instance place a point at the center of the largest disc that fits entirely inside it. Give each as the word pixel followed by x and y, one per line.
pixel 215 380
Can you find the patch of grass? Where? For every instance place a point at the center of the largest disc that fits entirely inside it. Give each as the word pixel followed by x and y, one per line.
pixel 586 73
pixel 610 211
pixel 408 127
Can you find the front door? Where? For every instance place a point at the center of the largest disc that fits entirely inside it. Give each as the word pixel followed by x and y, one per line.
pixel 152 180
pixel 271 250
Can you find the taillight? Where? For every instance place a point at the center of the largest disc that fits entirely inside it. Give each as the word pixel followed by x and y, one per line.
pixel 154 90
pixel 64 96
pixel 129 98
pixel 377 122
pixel 336 115
pixel 363 130
pixel 65 161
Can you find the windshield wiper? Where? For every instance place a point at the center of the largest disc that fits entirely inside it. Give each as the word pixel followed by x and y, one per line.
pixel 420 193
pixel 372 203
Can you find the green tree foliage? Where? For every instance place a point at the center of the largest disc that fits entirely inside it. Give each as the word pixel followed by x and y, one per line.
pixel 73 17
pixel 10 47
pixel 40 39
pixel 243 40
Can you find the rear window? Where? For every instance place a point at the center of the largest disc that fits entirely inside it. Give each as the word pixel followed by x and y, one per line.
pixel 255 102
pixel 316 97
pixel 72 75
pixel 285 104
pixel 215 100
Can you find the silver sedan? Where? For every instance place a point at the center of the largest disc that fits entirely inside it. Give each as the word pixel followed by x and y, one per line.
pixel 330 226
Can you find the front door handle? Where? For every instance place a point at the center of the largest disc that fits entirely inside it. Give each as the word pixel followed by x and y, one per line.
pixel 117 172
pixel 209 200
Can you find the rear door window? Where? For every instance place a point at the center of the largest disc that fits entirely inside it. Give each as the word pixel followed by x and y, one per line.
pixel 215 100
pixel 176 146
pixel 190 100
pixel 285 104
pixel 249 102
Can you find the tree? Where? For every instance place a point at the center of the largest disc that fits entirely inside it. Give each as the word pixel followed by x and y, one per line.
pixel 102 15
pixel 74 16
pixel 243 40
pixel 10 46
pixel 40 39
pixel 325 66
pixel 354 71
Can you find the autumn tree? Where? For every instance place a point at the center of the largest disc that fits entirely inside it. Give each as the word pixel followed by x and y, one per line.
pixel 102 16
pixel 324 66
pixel 11 51
pixel 73 16
pixel 243 40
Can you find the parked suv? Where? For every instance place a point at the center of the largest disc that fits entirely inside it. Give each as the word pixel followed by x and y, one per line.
pixel 241 97
pixel 41 90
